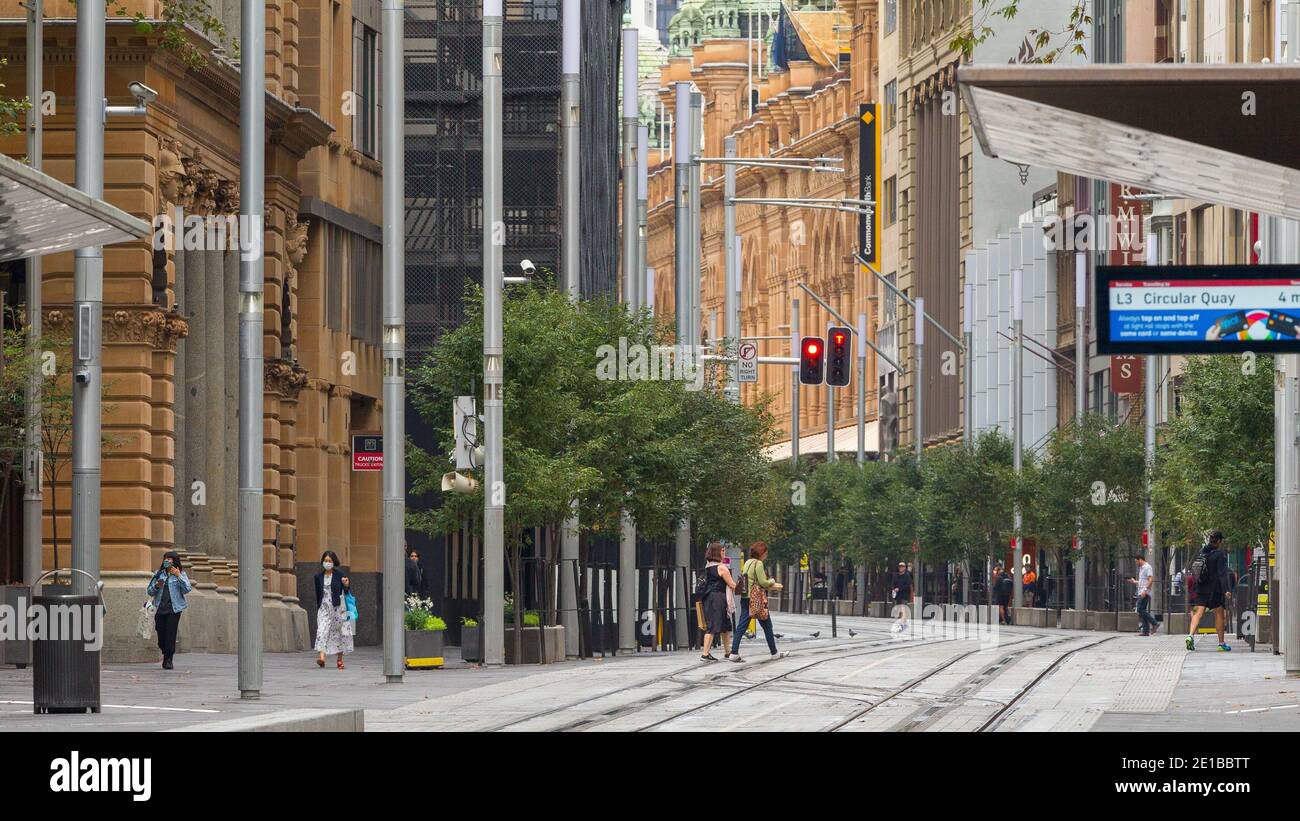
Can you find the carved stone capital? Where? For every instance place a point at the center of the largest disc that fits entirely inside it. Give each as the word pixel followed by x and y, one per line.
pixel 148 325
pixel 285 378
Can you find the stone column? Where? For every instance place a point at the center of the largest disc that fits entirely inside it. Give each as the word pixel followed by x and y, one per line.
pixel 230 434
pixel 198 530
pixel 221 539
pixel 180 480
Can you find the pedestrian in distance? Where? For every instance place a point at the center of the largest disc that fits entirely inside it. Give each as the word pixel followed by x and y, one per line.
pixel 1005 588
pixel 752 589
pixel 716 582
pixel 414 574
pixel 1029 587
pixel 1143 581
pixel 901 585
pixel 1213 588
pixel 332 591
pixel 168 588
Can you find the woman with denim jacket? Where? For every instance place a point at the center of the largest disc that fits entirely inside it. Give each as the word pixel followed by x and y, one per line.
pixel 168 588
pixel 332 589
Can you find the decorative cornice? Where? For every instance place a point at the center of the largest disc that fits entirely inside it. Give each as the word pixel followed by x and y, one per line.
pixel 284 377
pixel 149 325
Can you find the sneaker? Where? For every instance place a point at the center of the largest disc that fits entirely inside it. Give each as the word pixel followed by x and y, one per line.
pixel 1191 643
pixel 736 658
pixel 707 657
pixel 1223 648
pixel 780 654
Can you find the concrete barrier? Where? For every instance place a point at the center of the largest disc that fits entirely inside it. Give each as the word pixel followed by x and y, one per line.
pixel 1074 619
pixel 1029 616
pixel 1102 620
pixel 1176 624
pixel 286 721
pixel 1128 622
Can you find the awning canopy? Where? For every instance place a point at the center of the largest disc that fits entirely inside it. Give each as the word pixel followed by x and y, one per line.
pixel 814 444
pixel 40 215
pixel 1219 133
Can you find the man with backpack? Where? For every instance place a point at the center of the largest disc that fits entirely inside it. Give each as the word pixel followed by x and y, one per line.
pixel 1143 582
pixel 1004 587
pixel 1213 588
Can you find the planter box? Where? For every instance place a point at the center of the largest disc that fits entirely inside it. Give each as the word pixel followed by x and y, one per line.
pixel 1129 622
pixel 844 608
pixel 541 645
pixel 1101 620
pixel 471 644
pixel 1029 616
pixel 879 610
pixel 424 648
pixel 1074 619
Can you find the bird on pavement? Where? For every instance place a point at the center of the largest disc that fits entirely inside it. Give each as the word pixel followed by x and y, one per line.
pixel 851 632
pixel 778 635
pixel 815 635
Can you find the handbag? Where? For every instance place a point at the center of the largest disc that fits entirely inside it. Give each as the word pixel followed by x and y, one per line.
pixel 699 615
pixel 348 614
pixel 758 602
pixel 144 621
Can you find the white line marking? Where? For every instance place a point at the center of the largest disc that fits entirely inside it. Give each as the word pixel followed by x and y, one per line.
pixel 139 707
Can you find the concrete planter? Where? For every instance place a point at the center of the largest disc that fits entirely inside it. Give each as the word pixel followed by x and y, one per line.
pixel 1074 620
pixel 879 610
pixel 1129 622
pixel 844 608
pixel 424 648
pixel 541 645
pixel 1102 620
pixel 1176 624
pixel 1029 616
pixel 471 643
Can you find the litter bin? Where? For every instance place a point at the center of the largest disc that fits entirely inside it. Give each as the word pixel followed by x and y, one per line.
pixel 18 649
pixel 65 668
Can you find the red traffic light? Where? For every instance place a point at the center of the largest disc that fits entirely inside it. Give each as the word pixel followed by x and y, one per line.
pixel 839 339
pixel 810 348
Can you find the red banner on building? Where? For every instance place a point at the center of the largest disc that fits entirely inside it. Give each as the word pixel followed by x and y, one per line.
pixel 1126 374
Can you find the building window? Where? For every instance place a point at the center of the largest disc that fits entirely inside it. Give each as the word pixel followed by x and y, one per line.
pixel 891 104
pixel 365 88
pixel 891 201
pixel 1109 31
pixel 891 16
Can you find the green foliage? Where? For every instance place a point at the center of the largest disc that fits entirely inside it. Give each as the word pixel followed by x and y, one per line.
pixel 531 619
pixel 1040 45
pixel 1093 473
pixel 175 17
pixel 418 617
pixel 1214 469
pixel 967 498
pixel 659 449
pixel 11 109
pixel 466 621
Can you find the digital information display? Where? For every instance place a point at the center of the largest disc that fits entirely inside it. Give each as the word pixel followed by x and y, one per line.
pixel 1198 309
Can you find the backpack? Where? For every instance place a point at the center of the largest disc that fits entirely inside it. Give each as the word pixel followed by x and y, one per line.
pixel 1006 586
pixel 742 583
pixel 1200 568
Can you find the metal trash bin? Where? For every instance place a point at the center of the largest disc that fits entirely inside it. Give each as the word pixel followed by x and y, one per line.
pixel 17 650
pixel 65 672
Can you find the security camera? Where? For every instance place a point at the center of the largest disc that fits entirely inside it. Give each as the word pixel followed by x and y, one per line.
pixel 143 94
pixel 83 377
pixel 528 268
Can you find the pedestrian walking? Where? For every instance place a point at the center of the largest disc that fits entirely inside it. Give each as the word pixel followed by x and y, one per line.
pixel 168 588
pixel 901 585
pixel 414 574
pixel 752 589
pixel 1213 588
pixel 1143 581
pixel 1005 588
pixel 1029 587
pixel 717 581
pixel 332 590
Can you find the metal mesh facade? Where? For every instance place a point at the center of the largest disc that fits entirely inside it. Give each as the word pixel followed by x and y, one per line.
pixel 444 181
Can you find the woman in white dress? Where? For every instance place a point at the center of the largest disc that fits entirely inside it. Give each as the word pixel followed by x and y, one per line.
pixel 331 587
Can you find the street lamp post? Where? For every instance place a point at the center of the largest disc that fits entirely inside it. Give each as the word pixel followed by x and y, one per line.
pixel 627 573
pixel 1017 422
pixel 794 383
pixel 394 340
pixel 252 133
pixel 570 123
pixel 1080 399
pixel 33 502
pixel 684 255
pixel 731 304
pixel 493 348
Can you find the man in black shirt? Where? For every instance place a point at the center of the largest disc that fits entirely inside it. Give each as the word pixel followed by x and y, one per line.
pixel 1213 589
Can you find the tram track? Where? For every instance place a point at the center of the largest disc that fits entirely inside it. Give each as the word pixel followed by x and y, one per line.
pixel 997 717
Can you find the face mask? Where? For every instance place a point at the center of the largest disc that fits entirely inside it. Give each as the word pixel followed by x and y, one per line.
pixel 327 565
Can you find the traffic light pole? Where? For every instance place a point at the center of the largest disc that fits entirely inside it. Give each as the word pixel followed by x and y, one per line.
pixel 862 391
pixel 1152 392
pixel 643 296
pixel 493 349
pixel 697 211
pixel 794 387
pixel 627 575
pixel 394 340
pixel 570 123
pixel 682 307
pixel 830 410
pixel 919 389
pixel 1017 423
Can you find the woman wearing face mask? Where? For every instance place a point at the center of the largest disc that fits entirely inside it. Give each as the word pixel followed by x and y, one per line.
pixel 168 588
pixel 331 588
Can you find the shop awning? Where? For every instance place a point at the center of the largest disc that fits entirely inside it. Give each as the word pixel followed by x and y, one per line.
pixel 814 444
pixel 40 215
pixel 1218 133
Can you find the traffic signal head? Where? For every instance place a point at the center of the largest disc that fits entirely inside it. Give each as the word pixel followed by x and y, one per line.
pixel 812 360
pixel 839 342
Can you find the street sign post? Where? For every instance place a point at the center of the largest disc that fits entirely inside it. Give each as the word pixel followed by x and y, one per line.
pixel 748 360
